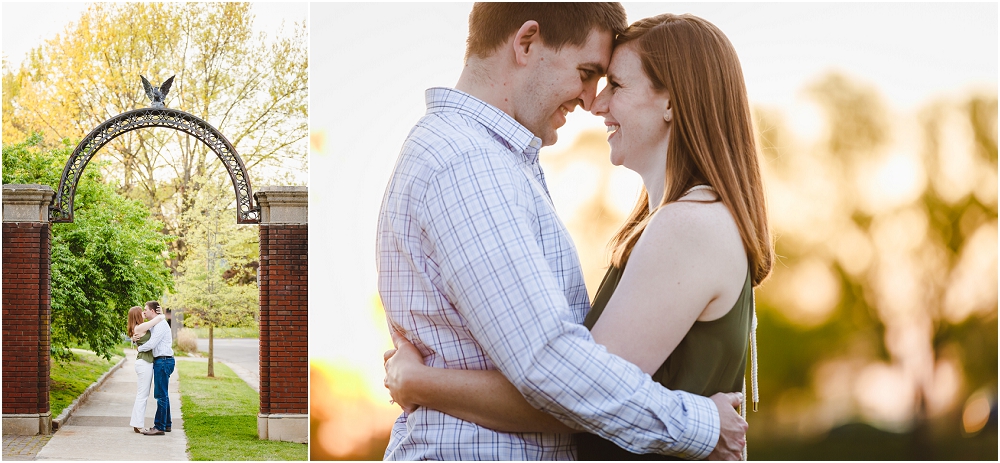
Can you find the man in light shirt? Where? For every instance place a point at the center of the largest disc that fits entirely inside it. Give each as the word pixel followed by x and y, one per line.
pixel 160 343
pixel 478 272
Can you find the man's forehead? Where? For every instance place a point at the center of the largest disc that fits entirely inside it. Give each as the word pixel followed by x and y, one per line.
pixel 595 52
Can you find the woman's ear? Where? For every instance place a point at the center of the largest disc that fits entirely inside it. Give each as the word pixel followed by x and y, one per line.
pixel 668 114
pixel 524 39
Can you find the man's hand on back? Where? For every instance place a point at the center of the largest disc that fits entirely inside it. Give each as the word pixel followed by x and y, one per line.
pixel 732 428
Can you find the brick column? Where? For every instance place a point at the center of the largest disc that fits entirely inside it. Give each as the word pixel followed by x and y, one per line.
pixel 283 282
pixel 26 309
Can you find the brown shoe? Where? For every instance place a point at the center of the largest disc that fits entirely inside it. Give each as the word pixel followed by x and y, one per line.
pixel 137 430
pixel 153 432
pixel 168 429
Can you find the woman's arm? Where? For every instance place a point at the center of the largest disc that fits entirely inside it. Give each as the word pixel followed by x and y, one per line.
pixel 484 397
pixel 141 328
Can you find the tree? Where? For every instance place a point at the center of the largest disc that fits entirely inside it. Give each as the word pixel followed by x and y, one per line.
pixel 217 286
pixel 112 257
pixel 251 87
pixel 894 217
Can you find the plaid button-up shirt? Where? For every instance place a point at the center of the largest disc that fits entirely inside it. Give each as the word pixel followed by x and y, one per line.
pixel 479 273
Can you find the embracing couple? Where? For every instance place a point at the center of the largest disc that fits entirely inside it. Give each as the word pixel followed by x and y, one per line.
pixel 499 353
pixel 154 361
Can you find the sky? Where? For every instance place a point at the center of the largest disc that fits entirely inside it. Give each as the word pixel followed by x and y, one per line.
pixel 370 64
pixel 20 35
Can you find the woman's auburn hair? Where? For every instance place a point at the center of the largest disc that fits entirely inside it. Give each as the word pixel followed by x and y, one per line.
pixel 134 319
pixel 712 139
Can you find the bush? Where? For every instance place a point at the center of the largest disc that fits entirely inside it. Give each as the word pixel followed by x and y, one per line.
pixel 187 341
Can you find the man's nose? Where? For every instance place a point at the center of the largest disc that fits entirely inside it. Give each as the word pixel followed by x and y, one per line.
pixel 588 95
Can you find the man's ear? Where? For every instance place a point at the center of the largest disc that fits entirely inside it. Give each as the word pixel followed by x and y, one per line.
pixel 524 39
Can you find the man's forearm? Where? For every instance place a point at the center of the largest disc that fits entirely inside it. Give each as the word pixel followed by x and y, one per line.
pixel 621 404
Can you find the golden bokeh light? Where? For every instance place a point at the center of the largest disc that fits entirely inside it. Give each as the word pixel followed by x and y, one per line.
pixel 976 412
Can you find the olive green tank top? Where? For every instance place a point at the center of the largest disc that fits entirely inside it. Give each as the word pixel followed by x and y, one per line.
pixel 148 355
pixel 711 358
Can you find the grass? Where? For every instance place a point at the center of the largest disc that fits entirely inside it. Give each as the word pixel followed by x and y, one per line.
pixel 220 418
pixel 70 379
pixel 228 332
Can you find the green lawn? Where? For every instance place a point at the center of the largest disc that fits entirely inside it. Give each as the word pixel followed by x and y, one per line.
pixel 228 333
pixel 220 418
pixel 70 379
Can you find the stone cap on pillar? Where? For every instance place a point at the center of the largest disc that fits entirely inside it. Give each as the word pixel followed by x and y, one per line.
pixel 288 205
pixel 27 203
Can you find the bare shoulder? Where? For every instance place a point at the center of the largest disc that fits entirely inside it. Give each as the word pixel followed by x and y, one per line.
pixel 693 223
pixel 702 243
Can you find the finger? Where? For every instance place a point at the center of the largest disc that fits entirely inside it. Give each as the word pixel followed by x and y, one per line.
pixel 735 398
pixel 387 355
pixel 397 336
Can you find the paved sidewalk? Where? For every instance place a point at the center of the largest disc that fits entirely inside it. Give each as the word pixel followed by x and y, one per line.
pixel 100 430
pixel 23 447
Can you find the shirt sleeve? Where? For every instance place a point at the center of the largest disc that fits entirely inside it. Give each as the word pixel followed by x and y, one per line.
pixel 480 223
pixel 154 339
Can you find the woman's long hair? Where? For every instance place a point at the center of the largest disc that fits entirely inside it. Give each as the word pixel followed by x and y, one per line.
pixel 712 139
pixel 134 318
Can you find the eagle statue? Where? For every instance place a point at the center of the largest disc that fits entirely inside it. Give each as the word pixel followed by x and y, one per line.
pixel 157 94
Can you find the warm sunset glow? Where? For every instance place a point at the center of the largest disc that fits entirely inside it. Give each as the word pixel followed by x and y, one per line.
pixel 885 395
pixel 976 412
pixel 349 420
pixel 814 292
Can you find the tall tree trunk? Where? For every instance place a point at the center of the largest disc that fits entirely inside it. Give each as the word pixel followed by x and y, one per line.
pixel 211 351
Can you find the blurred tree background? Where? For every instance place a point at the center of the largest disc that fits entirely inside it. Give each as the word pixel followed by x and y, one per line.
pixel 251 85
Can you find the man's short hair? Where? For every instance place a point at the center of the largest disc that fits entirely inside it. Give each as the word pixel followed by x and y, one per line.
pixel 154 306
pixel 491 24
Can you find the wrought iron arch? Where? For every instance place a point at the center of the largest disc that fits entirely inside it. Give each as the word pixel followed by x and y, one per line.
pixel 62 209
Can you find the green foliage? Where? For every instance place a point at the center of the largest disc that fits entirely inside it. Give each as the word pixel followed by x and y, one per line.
pixel 109 259
pixel 69 379
pixel 220 418
pixel 217 282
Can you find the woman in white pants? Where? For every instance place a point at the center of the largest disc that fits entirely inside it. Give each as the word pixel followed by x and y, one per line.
pixel 143 364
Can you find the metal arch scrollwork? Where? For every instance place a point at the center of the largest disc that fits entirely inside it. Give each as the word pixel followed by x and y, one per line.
pixel 62 209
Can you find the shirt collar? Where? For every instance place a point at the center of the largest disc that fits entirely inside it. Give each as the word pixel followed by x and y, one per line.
pixel 515 135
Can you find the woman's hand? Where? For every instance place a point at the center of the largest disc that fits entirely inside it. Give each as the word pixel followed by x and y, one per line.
pixel 403 365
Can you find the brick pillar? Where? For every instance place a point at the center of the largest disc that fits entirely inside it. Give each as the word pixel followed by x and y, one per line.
pixel 26 309
pixel 283 282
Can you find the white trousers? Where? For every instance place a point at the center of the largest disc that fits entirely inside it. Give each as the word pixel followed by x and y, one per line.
pixel 144 370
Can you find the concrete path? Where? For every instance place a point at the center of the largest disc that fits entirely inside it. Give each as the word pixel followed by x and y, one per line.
pixel 100 430
pixel 23 447
pixel 241 355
